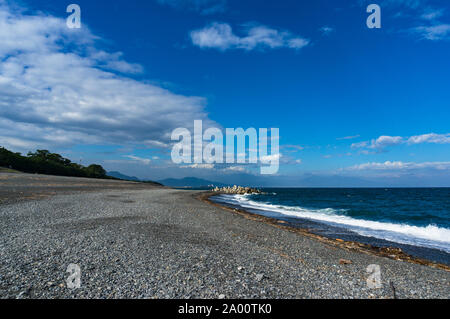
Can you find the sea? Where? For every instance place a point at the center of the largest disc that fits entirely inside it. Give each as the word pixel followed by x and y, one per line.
pixel 417 220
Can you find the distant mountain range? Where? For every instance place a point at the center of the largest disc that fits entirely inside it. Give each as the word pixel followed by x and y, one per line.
pixel 171 182
pixel 306 180
pixel 122 176
pixel 189 182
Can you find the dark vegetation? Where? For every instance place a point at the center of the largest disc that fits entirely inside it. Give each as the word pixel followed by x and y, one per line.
pixel 44 162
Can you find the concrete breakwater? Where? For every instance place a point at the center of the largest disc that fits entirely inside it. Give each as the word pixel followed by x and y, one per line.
pixel 237 190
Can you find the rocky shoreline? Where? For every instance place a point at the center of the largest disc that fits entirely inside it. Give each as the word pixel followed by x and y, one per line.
pixel 131 242
pixel 395 253
pixel 239 190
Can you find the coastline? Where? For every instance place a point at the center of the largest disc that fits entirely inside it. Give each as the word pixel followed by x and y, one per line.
pixel 135 241
pixel 388 252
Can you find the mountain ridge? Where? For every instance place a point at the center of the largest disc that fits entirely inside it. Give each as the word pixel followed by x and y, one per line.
pixel 189 182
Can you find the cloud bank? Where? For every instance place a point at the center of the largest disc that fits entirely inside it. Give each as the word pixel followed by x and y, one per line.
pixel 220 36
pixel 58 88
pixel 424 17
pixel 382 142
pixel 398 165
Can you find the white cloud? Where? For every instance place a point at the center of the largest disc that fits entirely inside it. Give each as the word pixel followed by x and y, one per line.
pixel 385 141
pixel 200 166
pixel 433 32
pixel 297 43
pixel 431 14
pixel 398 165
pixel 270 158
pixel 415 10
pixel 57 88
pixel 413 4
pixel 326 30
pixel 144 161
pixel 380 143
pixel 348 137
pixel 359 144
pixel 430 138
pixel 236 169
pixel 292 148
pixel 220 36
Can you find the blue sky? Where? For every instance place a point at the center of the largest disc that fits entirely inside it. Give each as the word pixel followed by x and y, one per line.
pixel 355 106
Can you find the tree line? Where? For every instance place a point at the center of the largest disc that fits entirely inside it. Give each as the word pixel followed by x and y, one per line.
pixel 44 162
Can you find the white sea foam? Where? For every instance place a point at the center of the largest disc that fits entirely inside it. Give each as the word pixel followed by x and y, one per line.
pixel 430 236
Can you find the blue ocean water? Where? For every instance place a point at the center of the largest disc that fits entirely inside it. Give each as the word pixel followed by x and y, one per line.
pixel 405 217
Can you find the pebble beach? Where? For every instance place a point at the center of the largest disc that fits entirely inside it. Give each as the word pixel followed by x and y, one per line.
pixel 135 240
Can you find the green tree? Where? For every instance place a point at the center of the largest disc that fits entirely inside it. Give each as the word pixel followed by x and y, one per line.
pixel 95 170
pixel 45 162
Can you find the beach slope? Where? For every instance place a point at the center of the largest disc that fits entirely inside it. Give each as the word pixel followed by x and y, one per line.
pixel 132 240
